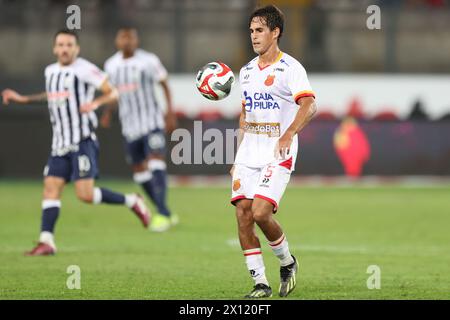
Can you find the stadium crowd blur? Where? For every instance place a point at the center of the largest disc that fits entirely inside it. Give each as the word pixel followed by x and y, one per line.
pixel 330 37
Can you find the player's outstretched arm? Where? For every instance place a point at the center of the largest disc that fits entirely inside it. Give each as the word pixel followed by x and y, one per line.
pixel 10 95
pixel 304 115
pixel 241 127
pixel 110 95
pixel 170 119
pixel 240 134
pixel 108 110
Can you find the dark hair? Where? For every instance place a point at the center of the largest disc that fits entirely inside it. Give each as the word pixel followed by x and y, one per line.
pixel 127 27
pixel 69 32
pixel 273 17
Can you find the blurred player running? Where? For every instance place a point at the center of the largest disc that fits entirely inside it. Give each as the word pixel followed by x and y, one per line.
pixel 134 72
pixel 277 103
pixel 70 86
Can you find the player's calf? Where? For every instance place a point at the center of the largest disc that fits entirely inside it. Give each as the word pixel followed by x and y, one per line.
pixel 86 192
pixel 133 201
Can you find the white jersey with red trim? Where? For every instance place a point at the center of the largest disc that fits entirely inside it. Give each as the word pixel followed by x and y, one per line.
pixel 269 96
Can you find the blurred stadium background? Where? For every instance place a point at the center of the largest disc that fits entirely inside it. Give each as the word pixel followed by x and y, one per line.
pixel 383 115
pixel 393 81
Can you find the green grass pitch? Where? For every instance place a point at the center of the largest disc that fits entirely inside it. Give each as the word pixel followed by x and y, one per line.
pixel 335 232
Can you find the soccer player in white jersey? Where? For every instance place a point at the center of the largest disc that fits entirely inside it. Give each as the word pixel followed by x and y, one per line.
pixel 134 72
pixel 277 103
pixel 70 86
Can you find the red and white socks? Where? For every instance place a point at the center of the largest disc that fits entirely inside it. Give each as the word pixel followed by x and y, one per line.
pixel 280 248
pixel 255 265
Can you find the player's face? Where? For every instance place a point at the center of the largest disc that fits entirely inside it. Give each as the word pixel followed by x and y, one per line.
pixel 127 40
pixel 66 48
pixel 261 36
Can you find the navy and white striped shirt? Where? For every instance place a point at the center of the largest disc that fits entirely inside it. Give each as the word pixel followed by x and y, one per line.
pixel 69 87
pixel 134 77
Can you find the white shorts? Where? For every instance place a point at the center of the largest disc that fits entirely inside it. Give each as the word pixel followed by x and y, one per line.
pixel 268 183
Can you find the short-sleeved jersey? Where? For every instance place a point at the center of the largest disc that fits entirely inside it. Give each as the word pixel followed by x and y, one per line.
pixel 139 112
pixel 269 96
pixel 68 88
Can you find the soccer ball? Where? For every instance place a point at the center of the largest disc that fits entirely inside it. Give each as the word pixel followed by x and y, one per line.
pixel 214 80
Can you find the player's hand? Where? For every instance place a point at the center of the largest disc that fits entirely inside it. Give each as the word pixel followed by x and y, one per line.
pixel 11 95
pixel 283 146
pixel 105 120
pixel 171 121
pixel 88 107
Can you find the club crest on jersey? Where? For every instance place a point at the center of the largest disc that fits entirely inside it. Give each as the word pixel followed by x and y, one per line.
pixel 269 80
pixel 135 74
pixel 236 184
pixel 68 80
pixel 260 100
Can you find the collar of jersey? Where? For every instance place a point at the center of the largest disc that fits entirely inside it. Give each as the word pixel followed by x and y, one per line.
pixel 62 66
pixel 276 60
pixel 127 59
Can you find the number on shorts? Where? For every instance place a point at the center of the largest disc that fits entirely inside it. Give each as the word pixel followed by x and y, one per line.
pixel 156 141
pixel 84 164
pixel 45 173
pixel 269 171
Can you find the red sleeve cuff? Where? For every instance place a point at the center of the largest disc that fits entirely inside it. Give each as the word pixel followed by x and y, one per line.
pixel 303 94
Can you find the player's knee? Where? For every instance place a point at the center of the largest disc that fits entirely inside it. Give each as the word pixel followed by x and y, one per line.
pixel 51 190
pixel 85 195
pixel 240 213
pixel 244 215
pixel 260 214
pixel 50 193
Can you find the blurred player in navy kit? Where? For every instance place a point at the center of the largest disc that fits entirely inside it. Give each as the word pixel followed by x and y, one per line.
pixel 71 83
pixel 134 72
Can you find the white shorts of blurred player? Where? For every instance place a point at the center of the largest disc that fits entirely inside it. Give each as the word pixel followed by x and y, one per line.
pixel 268 183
